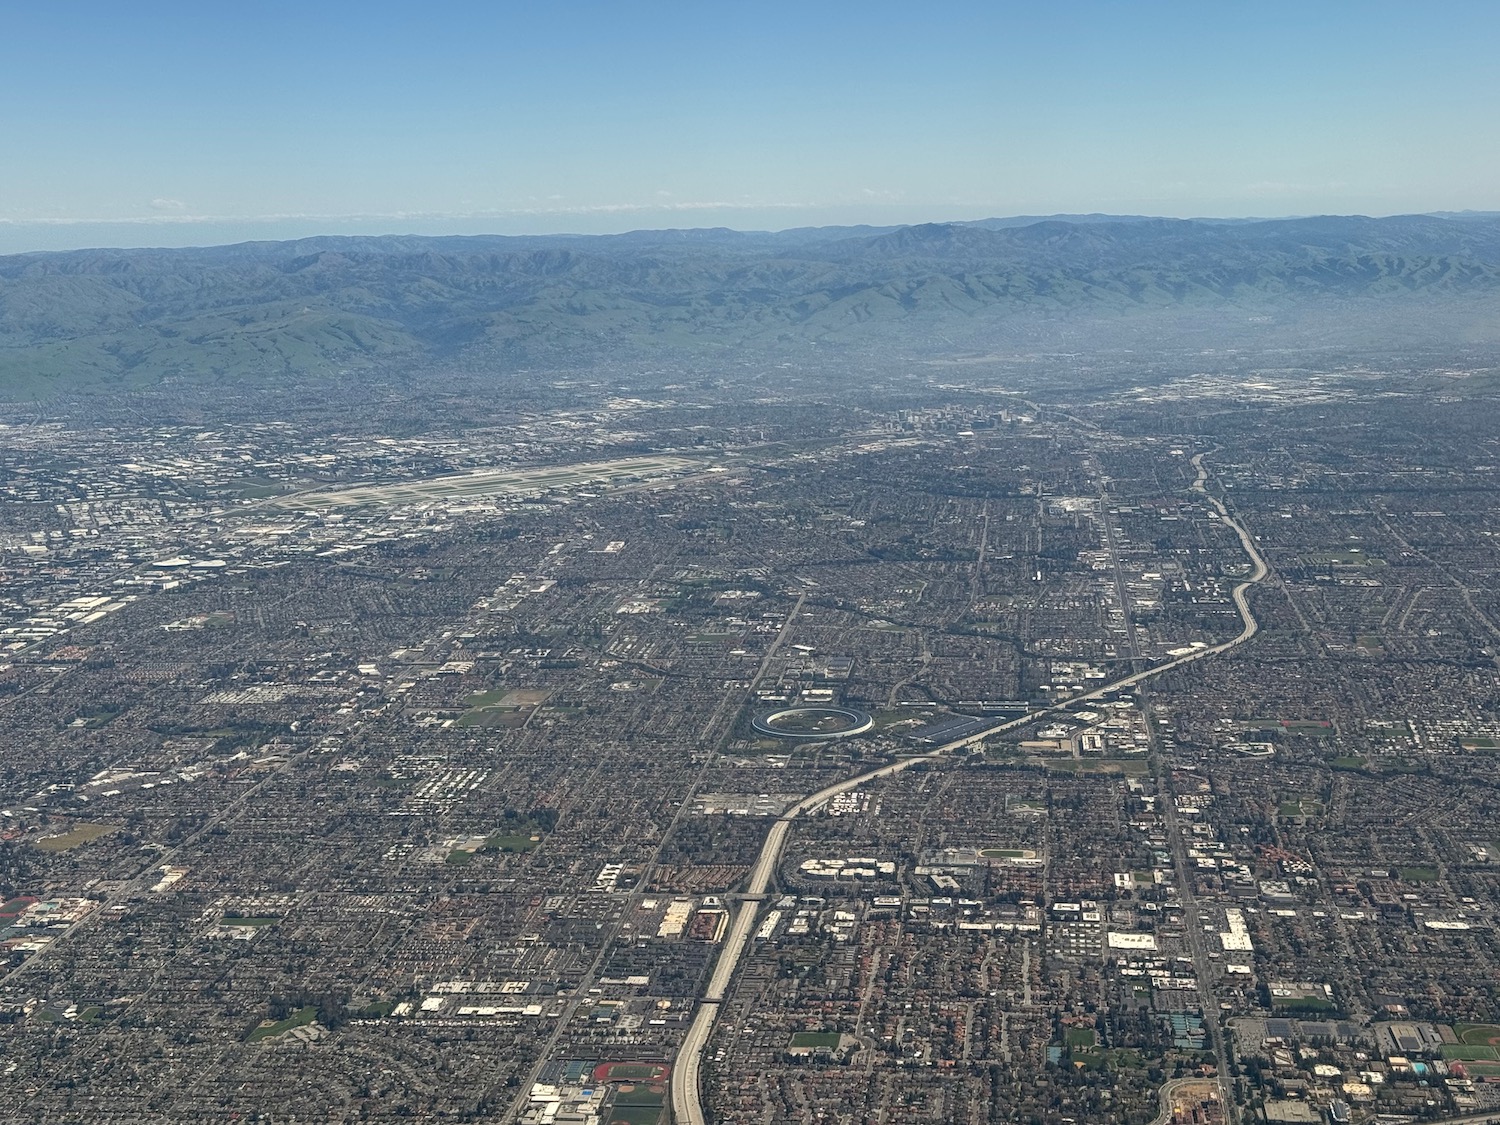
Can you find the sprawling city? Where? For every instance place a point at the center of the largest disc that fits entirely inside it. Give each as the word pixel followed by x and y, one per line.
pixel 777 563
pixel 942 750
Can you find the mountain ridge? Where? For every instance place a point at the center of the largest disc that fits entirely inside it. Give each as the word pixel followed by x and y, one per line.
pixel 340 304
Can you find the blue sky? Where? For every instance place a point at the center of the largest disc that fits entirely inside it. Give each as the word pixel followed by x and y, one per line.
pixel 173 123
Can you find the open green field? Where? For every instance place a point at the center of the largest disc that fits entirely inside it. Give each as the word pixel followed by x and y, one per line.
pixel 519 837
pixel 1419 874
pixel 253 488
pixel 1463 1053
pixel 1308 728
pixel 812 722
pixel 1347 763
pixel 508 718
pixel 1007 853
pixel 639 1093
pixel 1127 767
pixel 489 698
pixel 1314 727
pixel 98 717
pixel 300 1018
pixel 1340 558
pixel 1480 742
pixel 1478 1034
pixel 635 1115
pixel 1080 1037
pixel 1302 806
pixel 884 720
pixel 829 1039
pixel 75 836
pixel 508 697
pixel 1483 1069
pixel 501 707
pixel 1116 1058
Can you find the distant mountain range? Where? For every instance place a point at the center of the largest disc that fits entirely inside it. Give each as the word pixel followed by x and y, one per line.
pixel 321 306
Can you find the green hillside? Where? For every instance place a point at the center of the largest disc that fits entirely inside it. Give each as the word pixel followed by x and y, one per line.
pixel 322 307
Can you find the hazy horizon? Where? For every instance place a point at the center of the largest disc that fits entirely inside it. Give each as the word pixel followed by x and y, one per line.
pixel 169 123
pixel 54 237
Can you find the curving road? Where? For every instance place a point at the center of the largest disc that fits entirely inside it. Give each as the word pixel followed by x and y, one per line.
pixel 686 1099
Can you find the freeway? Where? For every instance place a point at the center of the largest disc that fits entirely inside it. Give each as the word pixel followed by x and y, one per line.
pixel 580 992
pixel 686 1096
pixel 1247 541
pixel 687 1105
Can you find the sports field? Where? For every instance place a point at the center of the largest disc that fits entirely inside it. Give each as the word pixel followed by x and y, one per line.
pixel 1478 1034
pixel 1008 853
pixel 78 834
pixel 631 1072
pixel 813 1039
pixel 1460 1053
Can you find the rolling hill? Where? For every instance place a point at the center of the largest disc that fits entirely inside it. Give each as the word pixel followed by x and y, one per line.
pixel 324 306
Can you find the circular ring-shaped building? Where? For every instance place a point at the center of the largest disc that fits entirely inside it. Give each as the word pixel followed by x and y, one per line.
pixel 813 722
